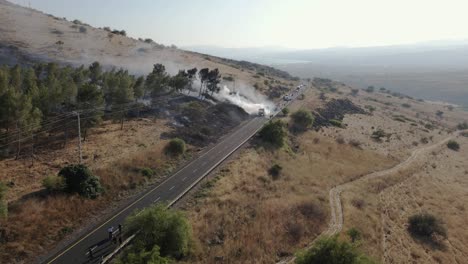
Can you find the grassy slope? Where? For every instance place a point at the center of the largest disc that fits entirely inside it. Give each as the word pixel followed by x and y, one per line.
pixel 245 216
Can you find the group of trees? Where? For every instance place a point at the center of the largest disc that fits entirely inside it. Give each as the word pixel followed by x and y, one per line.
pixel 74 179
pixel 302 120
pixel 209 81
pixel 31 96
pixel 275 132
pixel 162 234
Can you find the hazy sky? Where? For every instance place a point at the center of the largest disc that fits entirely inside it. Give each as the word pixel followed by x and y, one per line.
pixel 285 23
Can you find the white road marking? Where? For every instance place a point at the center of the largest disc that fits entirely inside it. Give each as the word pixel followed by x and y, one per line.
pixel 184 178
pixel 171 188
pixel 195 170
pixel 157 199
pixel 204 163
pixel 93 248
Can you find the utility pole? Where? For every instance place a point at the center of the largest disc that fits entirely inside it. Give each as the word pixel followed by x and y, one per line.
pixel 32 150
pixel 79 135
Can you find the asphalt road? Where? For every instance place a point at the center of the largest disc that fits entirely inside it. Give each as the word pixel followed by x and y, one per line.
pixel 168 191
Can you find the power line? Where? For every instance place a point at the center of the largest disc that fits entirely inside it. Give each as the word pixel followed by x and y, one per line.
pixel 63 125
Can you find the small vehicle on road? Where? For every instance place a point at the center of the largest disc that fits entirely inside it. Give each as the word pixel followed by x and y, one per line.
pixel 261 112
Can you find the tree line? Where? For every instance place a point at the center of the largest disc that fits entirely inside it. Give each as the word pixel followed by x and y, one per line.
pixel 32 98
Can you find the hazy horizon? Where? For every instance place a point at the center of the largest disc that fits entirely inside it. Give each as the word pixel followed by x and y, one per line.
pixel 297 24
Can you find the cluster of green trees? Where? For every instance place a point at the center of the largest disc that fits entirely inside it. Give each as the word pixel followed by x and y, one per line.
pixel 29 96
pixel 274 133
pixel 76 178
pixel 161 235
pixel 209 81
pixel 302 120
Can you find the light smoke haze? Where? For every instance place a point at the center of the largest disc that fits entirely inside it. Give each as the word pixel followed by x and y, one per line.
pixel 301 24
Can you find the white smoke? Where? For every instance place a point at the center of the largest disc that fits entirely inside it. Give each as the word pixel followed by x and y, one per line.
pixel 246 98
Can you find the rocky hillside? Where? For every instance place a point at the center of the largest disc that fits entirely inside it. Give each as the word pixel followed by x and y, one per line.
pixel 27 34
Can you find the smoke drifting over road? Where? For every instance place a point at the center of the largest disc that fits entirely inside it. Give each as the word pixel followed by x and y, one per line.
pixel 247 98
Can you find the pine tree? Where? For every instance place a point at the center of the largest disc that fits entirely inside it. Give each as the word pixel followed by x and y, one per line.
pixel 122 95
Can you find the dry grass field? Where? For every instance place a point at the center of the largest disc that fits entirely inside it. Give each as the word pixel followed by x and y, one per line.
pixel 246 216
pixel 243 215
pixel 115 155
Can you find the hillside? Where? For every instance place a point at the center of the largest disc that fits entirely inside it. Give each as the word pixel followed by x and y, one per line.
pixel 95 126
pixel 123 142
pixel 257 217
pixel 30 35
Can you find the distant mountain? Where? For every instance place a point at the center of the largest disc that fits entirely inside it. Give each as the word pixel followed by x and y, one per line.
pixel 436 70
pixel 436 54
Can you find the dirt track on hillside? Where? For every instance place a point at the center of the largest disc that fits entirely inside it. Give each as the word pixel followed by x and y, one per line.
pixel 336 219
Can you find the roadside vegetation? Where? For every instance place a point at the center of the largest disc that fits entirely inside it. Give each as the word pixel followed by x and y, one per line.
pixel 79 179
pixel 274 133
pixel 46 98
pixel 162 236
pixel 175 147
pixel 302 120
pixel 333 251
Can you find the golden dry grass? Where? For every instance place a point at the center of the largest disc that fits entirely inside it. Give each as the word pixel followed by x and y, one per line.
pixel 36 223
pixel 260 219
pixel 245 215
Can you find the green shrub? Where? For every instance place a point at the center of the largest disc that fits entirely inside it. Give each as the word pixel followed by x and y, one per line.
pixel 370 108
pixel 405 105
pixel 465 134
pixel 336 123
pixel 162 227
pixel 54 183
pixel 354 234
pixel 332 251
pixel 354 92
pixel 274 133
pixel 3 203
pixel 379 134
pixel 175 147
pixel 83 29
pixel 285 111
pixel 79 179
pixel 462 126
pixel 144 256
pixel 302 119
pixel 370 89
pixel 147 172
pixel 426 226
pixel 275 171
pixel 228 78
pixel 453 145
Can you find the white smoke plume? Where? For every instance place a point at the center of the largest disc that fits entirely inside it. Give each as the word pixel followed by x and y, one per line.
pixel 247 98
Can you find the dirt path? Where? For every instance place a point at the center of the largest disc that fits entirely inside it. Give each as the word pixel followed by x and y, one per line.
pixel 336 220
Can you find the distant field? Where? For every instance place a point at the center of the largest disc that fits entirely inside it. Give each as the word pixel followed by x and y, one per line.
pixel 431 84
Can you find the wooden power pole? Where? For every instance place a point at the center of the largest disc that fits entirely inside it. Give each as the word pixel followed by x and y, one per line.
pixel 79 136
